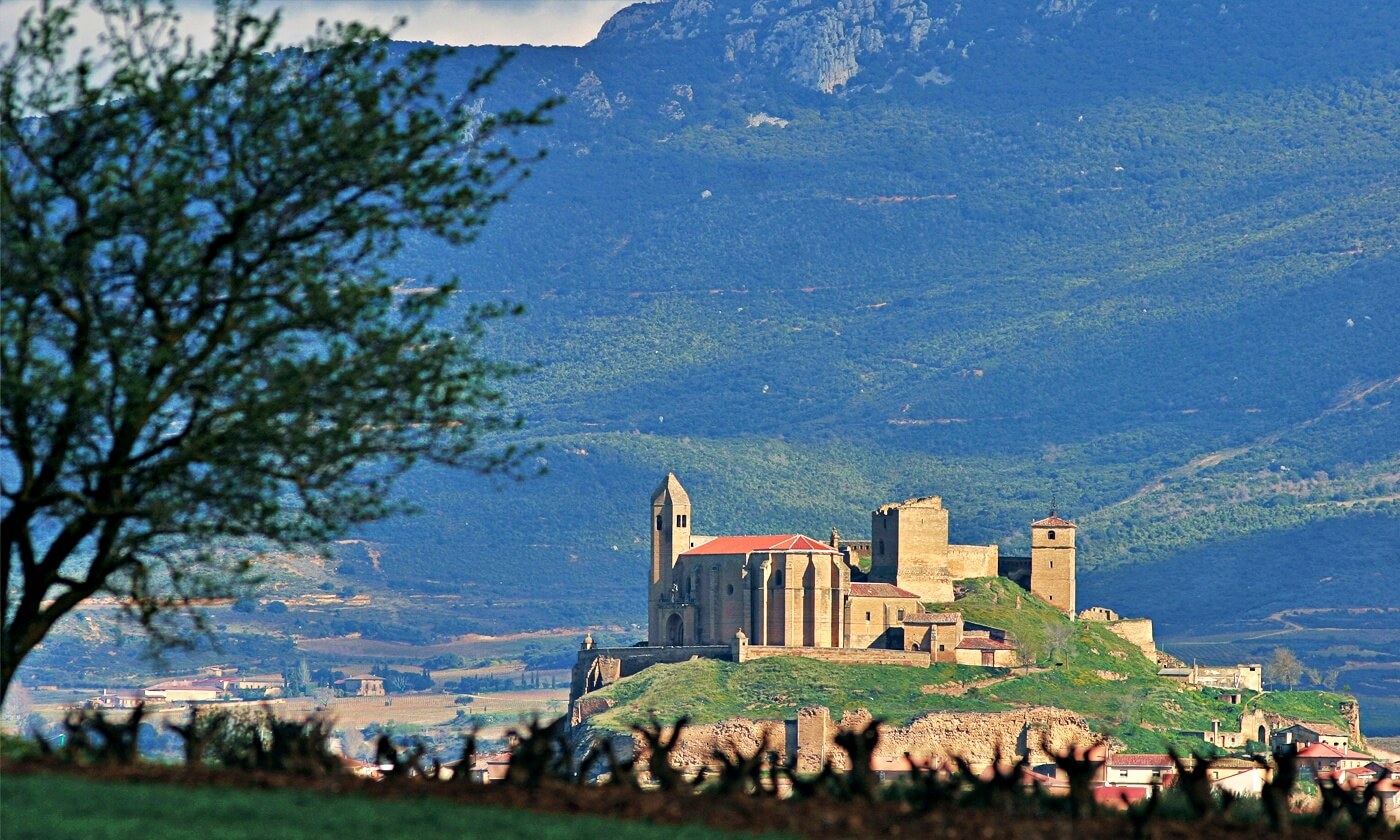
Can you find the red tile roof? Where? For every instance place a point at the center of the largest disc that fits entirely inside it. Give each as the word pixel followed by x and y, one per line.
pixel 1141 760
pixel 976 643
pixel 1052 522
pixel 1321 750
pixel 770 542
pixel 880 590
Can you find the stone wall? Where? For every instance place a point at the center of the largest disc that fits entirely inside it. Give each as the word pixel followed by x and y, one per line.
pixel 972 561
pixel 612 664
pixel 845 656
pixel 1136 631
pixel 937 736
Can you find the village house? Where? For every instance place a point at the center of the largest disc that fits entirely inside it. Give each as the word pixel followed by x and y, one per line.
pixel 1137 770
pixel 1320 759
pixel 1305 734
pixel 1243 781
pixel 362 685
pixel 186 691
pixel 118 698
pixel 1248 676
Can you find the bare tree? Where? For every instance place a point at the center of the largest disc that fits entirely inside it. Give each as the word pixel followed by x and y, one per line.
pixel 1285 668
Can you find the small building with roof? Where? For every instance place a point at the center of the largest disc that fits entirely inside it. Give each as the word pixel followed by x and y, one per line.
pixel 362 685
pixel 1316 760
pixel 1304 734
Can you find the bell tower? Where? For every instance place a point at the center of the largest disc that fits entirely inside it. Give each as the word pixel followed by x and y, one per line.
pixel 1052 562
pixel 670 536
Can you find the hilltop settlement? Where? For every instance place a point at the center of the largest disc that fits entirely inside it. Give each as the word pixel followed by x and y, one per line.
pixel 910 598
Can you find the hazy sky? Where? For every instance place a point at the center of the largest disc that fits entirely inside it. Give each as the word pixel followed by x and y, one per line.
pixel 457 22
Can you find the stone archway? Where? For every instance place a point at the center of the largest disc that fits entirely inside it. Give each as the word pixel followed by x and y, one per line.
pixel 675 631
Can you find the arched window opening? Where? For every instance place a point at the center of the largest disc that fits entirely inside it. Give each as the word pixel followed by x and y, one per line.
pixel 1050 535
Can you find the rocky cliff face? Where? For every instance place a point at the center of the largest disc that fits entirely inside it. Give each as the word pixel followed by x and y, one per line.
pixel 837 46
pixel 819 45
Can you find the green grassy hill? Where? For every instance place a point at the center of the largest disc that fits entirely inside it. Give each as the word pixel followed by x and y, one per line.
pixel 1104 678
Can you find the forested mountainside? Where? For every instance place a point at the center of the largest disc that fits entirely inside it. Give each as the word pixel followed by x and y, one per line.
pixel 815 256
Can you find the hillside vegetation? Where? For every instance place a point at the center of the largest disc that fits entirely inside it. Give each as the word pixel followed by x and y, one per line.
pixel 1102 677
pixel 1139 259
pixel 1139 262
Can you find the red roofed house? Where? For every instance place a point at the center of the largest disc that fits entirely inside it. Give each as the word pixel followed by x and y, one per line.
pixel 1138 769
pixel 983 645
pixel 1319 759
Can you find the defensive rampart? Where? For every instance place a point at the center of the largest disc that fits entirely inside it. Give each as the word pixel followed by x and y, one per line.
pixel 844 656
pixel 978 737
pixel 597 667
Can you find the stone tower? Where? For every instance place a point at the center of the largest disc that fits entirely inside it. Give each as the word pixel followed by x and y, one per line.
pixel 670 536
pixel 1052 562
pixel 909 547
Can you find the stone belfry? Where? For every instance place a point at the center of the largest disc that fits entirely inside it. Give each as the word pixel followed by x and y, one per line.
pixel 670 535
pixel 1052 561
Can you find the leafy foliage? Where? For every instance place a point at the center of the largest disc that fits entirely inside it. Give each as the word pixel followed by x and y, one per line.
pixel 202 340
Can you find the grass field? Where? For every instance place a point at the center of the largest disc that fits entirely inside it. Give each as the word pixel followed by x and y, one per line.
pixel 51 807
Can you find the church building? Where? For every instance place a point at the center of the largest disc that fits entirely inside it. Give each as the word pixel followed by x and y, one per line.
pixel 790 590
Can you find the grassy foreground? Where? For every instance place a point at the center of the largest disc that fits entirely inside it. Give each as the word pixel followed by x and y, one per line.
pixel 57 807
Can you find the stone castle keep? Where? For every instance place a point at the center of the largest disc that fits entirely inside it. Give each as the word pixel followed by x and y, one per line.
pixel 789 590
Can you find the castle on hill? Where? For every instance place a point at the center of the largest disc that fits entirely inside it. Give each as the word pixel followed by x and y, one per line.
pixel 792 591
pixel 740 598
